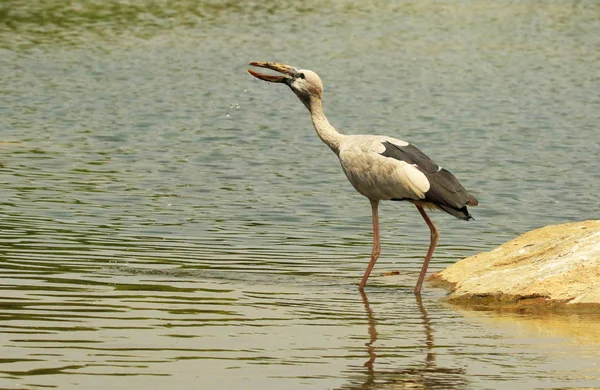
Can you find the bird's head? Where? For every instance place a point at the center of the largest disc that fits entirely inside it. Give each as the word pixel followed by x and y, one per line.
pixel 306 84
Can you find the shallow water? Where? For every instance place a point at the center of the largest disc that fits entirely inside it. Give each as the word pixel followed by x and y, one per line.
pixel 167 220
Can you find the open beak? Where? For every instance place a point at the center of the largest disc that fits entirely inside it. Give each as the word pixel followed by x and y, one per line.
pixel 287 70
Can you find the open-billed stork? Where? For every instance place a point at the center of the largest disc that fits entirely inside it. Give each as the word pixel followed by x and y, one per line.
pixel 379 167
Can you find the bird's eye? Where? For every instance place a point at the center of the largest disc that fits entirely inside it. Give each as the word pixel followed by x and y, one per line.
pixel 301 75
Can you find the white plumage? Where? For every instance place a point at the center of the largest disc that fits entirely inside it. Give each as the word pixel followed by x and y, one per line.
pixel 379 167
pixel 376 176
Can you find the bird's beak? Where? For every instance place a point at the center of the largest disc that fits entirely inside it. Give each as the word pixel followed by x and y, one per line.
pixel 287 70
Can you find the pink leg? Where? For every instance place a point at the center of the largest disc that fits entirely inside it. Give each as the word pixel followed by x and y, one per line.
pixel 434 240
pixel 376 246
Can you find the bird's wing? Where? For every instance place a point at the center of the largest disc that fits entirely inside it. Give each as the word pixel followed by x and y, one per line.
pixel 445 190
pixel 410 154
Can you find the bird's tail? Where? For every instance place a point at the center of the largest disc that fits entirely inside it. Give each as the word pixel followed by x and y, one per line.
pixel 461 213
pixel 472 201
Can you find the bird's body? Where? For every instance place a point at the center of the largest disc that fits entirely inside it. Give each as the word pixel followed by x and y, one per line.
pixel 376 176
pixel 379 167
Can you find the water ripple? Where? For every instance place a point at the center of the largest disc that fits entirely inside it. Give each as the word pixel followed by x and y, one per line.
pixel 166 219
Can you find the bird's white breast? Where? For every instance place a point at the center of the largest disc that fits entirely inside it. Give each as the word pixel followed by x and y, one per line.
pixel 379 177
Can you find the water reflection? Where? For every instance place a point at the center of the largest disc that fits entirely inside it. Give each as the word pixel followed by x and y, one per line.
pixel 578 327
pixel 426 374
pixel 373 337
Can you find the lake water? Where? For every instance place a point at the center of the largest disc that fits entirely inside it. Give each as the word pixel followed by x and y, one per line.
pixel 167 221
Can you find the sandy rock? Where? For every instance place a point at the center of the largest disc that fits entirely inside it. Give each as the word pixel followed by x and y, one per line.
pixel 559 264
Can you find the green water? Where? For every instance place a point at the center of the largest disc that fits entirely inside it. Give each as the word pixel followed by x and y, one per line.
pixel 166 220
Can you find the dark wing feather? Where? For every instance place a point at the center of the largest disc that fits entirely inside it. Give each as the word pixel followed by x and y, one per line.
pixel 445 190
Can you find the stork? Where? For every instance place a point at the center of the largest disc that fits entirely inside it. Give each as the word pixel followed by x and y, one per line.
pixel 378 167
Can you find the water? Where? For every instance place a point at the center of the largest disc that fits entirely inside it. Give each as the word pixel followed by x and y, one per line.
pixel 167 220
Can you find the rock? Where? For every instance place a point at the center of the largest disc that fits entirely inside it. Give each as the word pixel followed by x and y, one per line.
pixel 557 264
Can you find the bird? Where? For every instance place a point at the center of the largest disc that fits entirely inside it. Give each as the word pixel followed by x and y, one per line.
pixel 378 167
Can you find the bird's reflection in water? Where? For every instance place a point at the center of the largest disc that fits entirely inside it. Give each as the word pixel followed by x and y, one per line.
pixel 426 375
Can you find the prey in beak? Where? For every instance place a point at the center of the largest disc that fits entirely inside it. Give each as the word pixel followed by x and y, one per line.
pixel 289 72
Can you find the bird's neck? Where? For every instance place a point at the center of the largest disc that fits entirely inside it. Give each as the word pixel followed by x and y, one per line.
pixel 324 129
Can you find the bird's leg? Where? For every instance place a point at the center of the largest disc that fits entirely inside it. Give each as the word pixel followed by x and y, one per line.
pixel 376 246
pixel 434 240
